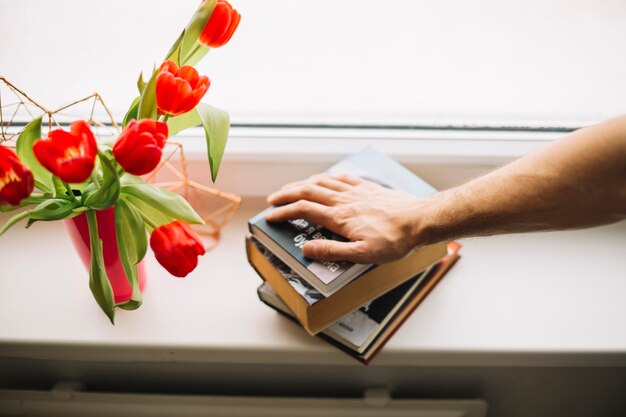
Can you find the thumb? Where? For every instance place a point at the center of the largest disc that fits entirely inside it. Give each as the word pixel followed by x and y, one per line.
pixel 333 250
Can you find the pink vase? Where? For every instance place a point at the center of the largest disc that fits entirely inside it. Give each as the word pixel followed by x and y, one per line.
pixel 79 232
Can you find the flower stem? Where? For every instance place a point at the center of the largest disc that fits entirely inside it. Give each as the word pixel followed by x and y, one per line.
pixel 70 192
pixel 191 53
pixel 35 200
pixel 147 219
pixel 13 220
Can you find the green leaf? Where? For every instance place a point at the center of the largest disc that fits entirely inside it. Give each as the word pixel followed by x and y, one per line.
pixel 24 148
pixel 5 208
pixel 104 195
pixel 195 26
pixel 152 216
pixel 53 209
pixel 78 211
pixel 174 52
pixel 132 112
pixel 216 124
pixel 197 54
pixel 13 220
pixel 141 84
pixel 170 204
pixel 147 103
pixel 131 235
pixel 58 187
pixel 186 120
pixel 98 279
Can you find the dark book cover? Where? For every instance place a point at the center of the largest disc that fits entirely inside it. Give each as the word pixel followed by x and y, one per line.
pixel 291 236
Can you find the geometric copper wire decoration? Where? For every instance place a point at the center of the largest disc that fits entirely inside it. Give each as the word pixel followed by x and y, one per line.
pixel 215 207
pixel 20 101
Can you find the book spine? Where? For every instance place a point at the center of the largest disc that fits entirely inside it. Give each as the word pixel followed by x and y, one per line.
pixel 432 281
pixel 326 338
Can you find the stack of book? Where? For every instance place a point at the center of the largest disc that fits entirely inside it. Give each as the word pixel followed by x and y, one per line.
pixel 356 307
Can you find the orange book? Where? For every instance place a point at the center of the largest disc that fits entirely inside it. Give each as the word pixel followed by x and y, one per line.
pixel 316 312
pixel 363 333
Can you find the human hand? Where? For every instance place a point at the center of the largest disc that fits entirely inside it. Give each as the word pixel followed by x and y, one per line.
pixel 380 224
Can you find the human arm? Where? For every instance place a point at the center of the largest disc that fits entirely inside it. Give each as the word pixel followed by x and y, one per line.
pixel 578 181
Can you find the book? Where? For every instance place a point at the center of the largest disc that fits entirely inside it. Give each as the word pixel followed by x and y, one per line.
pixel 316 312
pixel 286 239
pixel 364 332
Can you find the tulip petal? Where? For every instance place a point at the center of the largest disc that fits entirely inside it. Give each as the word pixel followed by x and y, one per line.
pixel 176 247
pixel 189 74
pixel 164 93
pixel 176 88
pixel 16 181
pixel 217 25
pixel 139 148
pixel 75 170
pixel 236 17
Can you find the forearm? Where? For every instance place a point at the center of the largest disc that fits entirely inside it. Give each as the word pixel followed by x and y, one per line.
pixel 578 181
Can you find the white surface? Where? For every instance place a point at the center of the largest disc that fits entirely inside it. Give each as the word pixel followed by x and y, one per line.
pixel 352 61
pixel 538 299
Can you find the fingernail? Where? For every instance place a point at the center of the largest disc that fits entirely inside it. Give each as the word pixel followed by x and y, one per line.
pixel 308 250
pixel 269 216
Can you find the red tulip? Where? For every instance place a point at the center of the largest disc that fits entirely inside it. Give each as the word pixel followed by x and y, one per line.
pixel 178 90
pixel 176 247
pixel 221 26
pixel 71 156
pixel 139 147
pixel 16 181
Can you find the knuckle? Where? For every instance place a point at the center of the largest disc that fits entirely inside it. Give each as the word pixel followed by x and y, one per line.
pixel 287 186
pixel 328 251
pixel 306 190
pixel 317 177
pixel 300 205
pixel 360 254
pixel 303 206
pixel 344 212
pixel 346 177
pixel 361 250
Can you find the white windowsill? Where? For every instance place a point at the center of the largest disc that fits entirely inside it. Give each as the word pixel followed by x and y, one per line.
pixel 259 160
pixel 519 300
pixel 411 146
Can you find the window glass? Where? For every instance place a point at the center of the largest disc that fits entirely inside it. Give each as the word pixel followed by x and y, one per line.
pixel 407 62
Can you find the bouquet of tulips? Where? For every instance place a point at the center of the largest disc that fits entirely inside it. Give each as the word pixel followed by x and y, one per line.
pixel 75 175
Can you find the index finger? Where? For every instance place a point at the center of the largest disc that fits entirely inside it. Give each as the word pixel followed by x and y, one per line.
pixel 347 179
pixel 303 209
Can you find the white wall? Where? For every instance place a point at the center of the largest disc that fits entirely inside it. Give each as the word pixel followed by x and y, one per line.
pixel 358 61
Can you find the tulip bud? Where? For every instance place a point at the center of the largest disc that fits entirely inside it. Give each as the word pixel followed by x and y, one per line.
pixel 71 156
pixel 139 147
pixel 16 181
pixel 176 247
pixel 179 90
pixel 221 26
